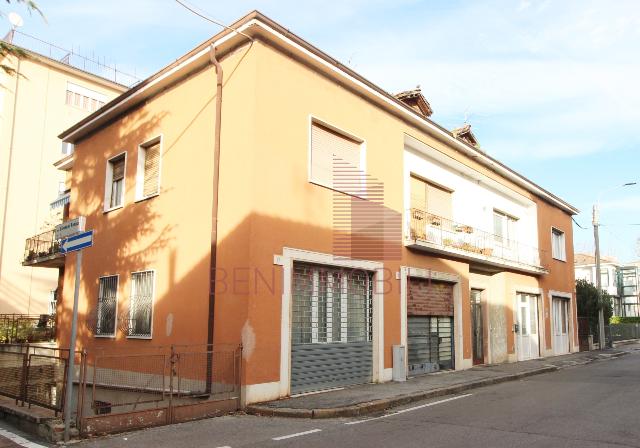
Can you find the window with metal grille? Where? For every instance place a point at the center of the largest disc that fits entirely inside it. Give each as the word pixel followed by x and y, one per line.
pixel 107 303
pixel 141 304
pixel 148 178
pixel 331 305
pixel 115 182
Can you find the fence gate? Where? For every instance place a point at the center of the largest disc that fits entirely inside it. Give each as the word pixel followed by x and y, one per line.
pixel 331 331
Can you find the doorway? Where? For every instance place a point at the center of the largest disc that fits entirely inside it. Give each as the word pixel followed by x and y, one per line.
pixel 527 338
pixel 560 307
pixel 477 326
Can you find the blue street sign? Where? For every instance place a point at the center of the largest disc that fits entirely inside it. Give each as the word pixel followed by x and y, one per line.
pixel 77 242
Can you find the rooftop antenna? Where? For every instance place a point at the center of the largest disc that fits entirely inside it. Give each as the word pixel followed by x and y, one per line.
pixel 467 114
pixel 16 22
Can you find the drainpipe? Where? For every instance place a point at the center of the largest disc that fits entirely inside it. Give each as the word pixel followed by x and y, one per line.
pixel 214 215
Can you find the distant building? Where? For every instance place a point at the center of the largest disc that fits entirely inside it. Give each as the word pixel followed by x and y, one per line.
pixel 45 96
pixel 617 279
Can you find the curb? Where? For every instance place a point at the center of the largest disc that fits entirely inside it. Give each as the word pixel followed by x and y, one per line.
pixel 386 403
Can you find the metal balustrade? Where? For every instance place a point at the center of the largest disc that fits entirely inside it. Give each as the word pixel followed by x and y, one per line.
pixel 459 238
pixel 41 248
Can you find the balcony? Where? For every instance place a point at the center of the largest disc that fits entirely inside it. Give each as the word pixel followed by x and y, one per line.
pixel 43 251
pixel 485 251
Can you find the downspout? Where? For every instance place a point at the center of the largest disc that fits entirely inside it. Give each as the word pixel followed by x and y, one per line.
pixel 214 216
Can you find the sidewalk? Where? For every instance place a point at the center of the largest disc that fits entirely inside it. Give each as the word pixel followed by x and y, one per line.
pixel 369 398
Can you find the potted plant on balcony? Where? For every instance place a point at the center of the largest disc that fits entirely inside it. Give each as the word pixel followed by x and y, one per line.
pixel 435 220
pixel 488 251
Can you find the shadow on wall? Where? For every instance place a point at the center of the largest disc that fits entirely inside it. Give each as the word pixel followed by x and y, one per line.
pixel 125 238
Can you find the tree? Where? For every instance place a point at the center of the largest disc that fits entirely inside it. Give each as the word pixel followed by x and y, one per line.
pixel 590 301
pixel 7 49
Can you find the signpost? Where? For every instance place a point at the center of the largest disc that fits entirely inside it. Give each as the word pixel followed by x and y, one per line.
pixel 70 228
pixel 74 243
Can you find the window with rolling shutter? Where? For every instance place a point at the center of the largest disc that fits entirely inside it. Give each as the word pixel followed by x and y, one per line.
pixel 148 178
pixel 430 198
pixel 330 149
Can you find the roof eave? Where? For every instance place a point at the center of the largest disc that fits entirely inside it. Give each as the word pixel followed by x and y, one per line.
pixel 256 23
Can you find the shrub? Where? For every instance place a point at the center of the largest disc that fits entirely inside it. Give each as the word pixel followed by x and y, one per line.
pixel 624 320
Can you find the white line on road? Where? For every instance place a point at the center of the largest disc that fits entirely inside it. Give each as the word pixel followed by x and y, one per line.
pixel 297 434
pixel 415 408
pixel 20 440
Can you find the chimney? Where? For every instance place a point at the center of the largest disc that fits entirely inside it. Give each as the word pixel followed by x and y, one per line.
pixel 415 100
pixel 464 133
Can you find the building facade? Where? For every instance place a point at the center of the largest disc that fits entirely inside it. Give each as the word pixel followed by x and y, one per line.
pixel 44 96
pixel 620 280
pixel 343 223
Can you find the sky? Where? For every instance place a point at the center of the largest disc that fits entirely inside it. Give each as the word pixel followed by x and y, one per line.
pixel 549 87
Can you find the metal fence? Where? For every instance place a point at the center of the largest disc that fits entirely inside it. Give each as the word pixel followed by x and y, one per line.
pixel 623 332
pixel 22 328
pixel 157 386
pixel 34 375
pixel 120 391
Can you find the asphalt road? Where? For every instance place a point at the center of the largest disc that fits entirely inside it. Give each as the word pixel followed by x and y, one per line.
pixel 597 405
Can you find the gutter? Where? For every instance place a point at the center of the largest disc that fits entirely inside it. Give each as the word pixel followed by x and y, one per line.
pixel 214 214
pixel 375 94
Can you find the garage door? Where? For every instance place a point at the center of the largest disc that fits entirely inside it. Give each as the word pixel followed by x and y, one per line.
pixel 331 331
pixel 430 344
pixel 430 326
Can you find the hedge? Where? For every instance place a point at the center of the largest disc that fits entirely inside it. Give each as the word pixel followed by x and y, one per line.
pixel 624 320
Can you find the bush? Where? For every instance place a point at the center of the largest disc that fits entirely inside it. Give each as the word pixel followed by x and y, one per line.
pixel 624 320
pixel 590 301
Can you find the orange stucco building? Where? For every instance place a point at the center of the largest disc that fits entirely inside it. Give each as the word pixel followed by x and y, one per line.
pixel 347 223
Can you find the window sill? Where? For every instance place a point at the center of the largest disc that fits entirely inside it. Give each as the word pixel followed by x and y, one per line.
pixel 560 259
pixel 107 210
pixel 105 336
pixel 148 338
pixel 147 197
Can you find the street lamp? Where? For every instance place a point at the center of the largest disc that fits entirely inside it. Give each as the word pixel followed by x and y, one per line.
pixel 596 237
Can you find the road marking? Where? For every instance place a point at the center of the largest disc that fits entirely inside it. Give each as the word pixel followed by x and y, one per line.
pixel 20 440
pixel 298 434
pixel 402 411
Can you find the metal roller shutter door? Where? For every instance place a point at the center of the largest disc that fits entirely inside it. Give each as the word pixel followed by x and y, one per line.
pixel 429 343
pixel 331 328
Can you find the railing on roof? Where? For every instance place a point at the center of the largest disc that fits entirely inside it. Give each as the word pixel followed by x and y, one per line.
pixel 71 58
pixel 457 237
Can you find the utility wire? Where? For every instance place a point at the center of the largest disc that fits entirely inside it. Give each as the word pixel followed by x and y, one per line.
pixel 209 19
pixel 576 223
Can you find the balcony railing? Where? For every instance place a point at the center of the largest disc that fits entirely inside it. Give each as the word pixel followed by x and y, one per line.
pixel 42 249
pixel 462 239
